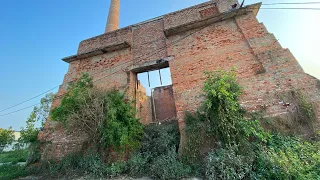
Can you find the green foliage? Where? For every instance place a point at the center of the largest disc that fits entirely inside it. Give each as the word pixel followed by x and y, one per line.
pixel 138 164
pixel 228 164
pixel 6 137
pixel 198 139
pixel 167 166
pixel 288 158
pixel 243 149
pixel 305 109
pixel 120 130
pixel 88 164
pixel 9 171
pixel 14 156
pixel 34 153
pixel 71 101
pixel 220 121
pixel 221 107
pixel 158 157
pixel 160 138
pixel 223 141
pixel 107 118
pixel 30 133
pixel 300 119
pixel 39 114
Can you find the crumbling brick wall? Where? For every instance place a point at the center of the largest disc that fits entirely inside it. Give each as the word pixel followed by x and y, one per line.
pixel 163 103
pixel 143 104
pixel 209 36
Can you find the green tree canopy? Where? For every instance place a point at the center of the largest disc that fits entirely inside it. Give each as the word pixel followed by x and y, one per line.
pixel 6 137
pixel 39 114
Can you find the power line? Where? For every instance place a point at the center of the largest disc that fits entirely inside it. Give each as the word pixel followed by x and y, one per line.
pixel 19 110
pixel 160 49
pixel 165 47
pixel 58 97
pixel 315 9
pixel 298 3
pixel 53 89
pixel 30 99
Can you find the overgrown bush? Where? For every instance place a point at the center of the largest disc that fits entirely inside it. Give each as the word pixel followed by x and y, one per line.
pixel 228 164
pixel 156 158
pixel 168 166
pixel 288 158
pixel 221 107
pixel 221 122
pixel 158 155
pixel 9 171
pixel 106 117
pixel 160 138
pixel 79 165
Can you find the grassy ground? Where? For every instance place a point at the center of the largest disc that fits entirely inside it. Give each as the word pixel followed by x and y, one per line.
pixel 10 171
pixel 14 156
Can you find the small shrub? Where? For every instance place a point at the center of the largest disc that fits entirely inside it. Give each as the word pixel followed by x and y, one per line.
pixel 9 171
pixel 160 138
pixel 138 164
pixel 115 169
pixel 228 164
pixel 167 166
pixel 158 157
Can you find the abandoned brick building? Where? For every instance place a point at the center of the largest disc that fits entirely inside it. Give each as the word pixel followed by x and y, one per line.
pixel 217 34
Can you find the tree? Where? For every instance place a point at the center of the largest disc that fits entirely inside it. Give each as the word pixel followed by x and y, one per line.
pixel 6 137
pixel 39 114
pixel 29 134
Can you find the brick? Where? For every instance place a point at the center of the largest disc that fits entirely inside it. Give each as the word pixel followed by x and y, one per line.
pixel 264 69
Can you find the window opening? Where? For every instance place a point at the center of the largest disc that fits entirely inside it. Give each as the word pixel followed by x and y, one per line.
pixel 154 96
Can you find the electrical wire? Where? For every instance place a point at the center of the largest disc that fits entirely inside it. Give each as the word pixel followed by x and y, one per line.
pixel 298 3
pixel 30 99
pixel 160 49
pixel 59 97
pixel 314 9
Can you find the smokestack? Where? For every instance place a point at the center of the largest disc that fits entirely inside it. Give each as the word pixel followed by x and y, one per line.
pixel 113 17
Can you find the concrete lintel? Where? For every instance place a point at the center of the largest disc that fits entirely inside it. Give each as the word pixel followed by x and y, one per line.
pixel 106 49
pixel 213 19
pixel 151 65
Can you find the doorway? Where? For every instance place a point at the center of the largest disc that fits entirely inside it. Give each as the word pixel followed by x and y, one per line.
pixel 154 96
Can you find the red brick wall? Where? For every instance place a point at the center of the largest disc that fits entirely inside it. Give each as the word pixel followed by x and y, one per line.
pixel 149 42
pixel 164 104
pixel 264 68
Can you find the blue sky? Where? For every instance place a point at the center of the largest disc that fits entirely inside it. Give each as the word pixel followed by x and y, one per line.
pixel 36 34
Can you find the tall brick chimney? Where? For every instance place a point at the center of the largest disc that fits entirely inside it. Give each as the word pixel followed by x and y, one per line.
pixel 113 17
